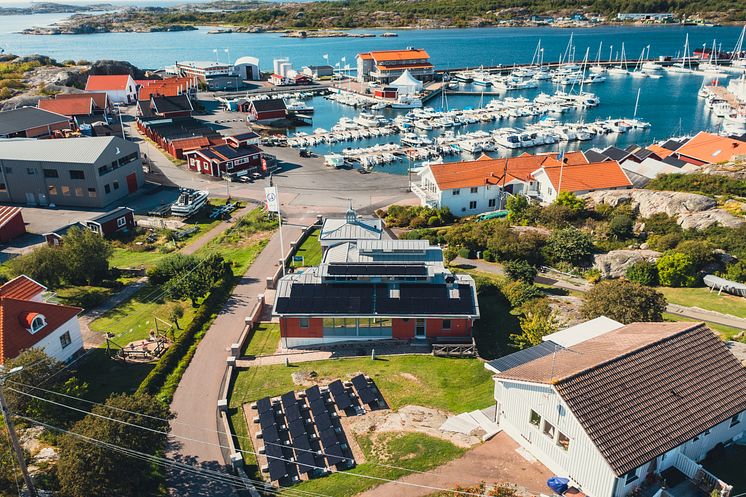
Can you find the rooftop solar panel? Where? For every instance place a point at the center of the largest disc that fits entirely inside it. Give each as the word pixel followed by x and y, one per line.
pixel 263 405
pixel 346 269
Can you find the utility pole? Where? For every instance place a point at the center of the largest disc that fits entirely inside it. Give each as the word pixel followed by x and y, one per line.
pixel 14 437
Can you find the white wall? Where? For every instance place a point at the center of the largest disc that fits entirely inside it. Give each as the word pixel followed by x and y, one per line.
pixel 582 462
pixel 53 347
pixel 460 204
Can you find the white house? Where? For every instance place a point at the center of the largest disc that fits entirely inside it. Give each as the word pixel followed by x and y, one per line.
pixel 578 178
pixel 629 406
pixel 120 88
pixel 27 321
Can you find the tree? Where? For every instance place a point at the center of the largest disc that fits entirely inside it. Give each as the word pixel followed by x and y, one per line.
pixel 643 272
pixel 677 270
pixel 449 254
pixel 86 469
pixel 9 472
pixel 736 271
pixel 702 252
pixel 537 320
pixel 86 256
pixel 571 201
pixel 519 292
pixel 624 301
pixel 520 271
pixel 516 205
pixel 40 369
pixel 175 311
pixel 170 266
pixel 44 264
pixel 568 245
pixel 194 283
pixel 620 227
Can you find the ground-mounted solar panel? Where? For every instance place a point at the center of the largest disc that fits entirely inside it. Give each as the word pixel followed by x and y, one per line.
pixel 323 421
pixel 318 407
pixel 334 455
pixel 292 413
pixel 340 395
pixel 306 460
pixel 263 405
pixel 267 419
pixel 270 434
pixel 277 469
pixel 297 428
pixel 313 393
pixel 328 437
pixel 288 399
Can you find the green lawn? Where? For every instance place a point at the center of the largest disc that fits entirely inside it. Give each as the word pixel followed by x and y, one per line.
pixel 105 376
pixel 264 340
pixel 134 319
pixel 414 451
pixel 83 296
pixel 703 298
pixel 726 332
pixel 310 250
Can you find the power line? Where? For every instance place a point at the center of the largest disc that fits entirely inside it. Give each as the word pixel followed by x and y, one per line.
pixel 347 473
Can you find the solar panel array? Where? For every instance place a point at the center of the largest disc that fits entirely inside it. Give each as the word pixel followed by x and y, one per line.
pixel 403 270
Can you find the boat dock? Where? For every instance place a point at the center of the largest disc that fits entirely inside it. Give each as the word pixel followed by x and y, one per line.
pixel 722 93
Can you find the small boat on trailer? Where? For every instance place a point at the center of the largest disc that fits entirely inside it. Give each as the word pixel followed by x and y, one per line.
pixel 189 202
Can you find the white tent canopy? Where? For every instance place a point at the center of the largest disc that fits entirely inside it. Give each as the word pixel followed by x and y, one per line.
pixel 407 84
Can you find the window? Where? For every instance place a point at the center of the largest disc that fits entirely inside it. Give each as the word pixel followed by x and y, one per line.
pixel 304 322
pixel 107 188
pixel 734 420
pixel 456 192
pixel 491 202
pixel 3 188
pixel 8 170
pixel 92 192
pixel 30 171
pixel 51 173
pixel 77 174
pixel 548 429
pixel 630 477
pixel 534 418
pixel 473 204
pixel 103 170
pixel 78 191
pixel 66 191
pixel 121 221
pixel 116 185
pixel 563 441
pixel 446 324
pixel 65 339
pixel 474 189
pixel 37 323
pixel 52 190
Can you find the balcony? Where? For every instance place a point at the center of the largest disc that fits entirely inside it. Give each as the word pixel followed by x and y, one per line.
pixel 686 478
pixel 430 199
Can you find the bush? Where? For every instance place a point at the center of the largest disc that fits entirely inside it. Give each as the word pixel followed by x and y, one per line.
pixel 568 245
pixel 624 301
pixel 571 201
pixel 465 253
pixel 620 227
pixel 676 270
pixel 449 254
pixel 592 275
pixel 488 256
pixel 643 272
pixel 661 243
pixel 735 271
pixel 169 267
pixel 661 224
pixel 708 184
pixel 520 271
pixel 520 292
pixel 702 252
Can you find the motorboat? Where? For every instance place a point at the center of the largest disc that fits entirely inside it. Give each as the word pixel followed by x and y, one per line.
pixel 407 102
pixel 298 107
pixel 190 202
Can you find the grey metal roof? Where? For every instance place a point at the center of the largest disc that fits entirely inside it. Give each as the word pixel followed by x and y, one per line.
pixel 17 120
pixel 71 150
pixel 523 356
pixel 360 229
pixel 384 252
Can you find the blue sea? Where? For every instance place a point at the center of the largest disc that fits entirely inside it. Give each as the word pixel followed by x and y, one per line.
pixel 670 103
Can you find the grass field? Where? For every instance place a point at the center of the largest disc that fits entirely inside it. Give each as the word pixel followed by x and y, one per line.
pixel 413 451
pixel 726 332
pixel 310 250
pixel 264 340
pixel 703 298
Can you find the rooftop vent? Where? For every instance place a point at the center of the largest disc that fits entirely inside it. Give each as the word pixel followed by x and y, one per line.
pixel 394 293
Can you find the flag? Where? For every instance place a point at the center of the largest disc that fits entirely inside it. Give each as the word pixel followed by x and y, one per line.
pixel 270 195
pixel 326 56
pixel 214 50
pixel 343 59
pixel 336 65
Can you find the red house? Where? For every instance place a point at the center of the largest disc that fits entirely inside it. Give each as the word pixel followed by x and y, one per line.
pixel 376 290
pixel 238 155
pixel 11 223
pixel 386 92
pixel 267 110
pixel 108 223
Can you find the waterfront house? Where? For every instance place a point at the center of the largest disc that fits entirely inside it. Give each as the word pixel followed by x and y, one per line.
pixel 75 172
pixel 31 122
pixel 551 179
pixel 707 148
pixel 178 135
pixel 202 70
pixel 71 107
pixel 266 110
pixel 238 155
pixel 28 321
pixel 169 87
pixel 618 411
pixel 376 290
pixel 120 88
pixel 11 223
pixel 165 107
pixel 349 229
pixel 385 66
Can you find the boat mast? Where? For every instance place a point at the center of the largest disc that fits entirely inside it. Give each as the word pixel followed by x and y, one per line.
pixel 637 101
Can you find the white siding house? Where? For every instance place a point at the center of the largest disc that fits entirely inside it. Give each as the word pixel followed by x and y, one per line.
pixel 610 411
pixel 64 343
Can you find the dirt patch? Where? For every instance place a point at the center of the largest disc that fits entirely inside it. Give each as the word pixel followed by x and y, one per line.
pixel 410 377
pixel 408 419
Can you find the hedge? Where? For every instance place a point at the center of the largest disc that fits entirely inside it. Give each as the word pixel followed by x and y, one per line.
pixel 164 378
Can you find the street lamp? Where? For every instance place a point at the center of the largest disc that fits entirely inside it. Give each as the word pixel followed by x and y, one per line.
pixel 12 431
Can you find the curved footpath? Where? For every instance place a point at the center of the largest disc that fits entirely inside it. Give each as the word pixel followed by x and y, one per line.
pixel 194 436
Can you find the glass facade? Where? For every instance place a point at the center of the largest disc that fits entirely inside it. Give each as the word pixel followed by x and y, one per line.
pixel 357 327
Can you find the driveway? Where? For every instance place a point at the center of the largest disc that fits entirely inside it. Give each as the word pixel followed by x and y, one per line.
pixel 495 461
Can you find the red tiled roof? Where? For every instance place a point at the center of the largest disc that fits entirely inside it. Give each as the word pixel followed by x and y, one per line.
pixel 21 287
pixel 107 82
pixel 661 152
pixel 100 99
pixel 485 171
pixel 190 143
pixel 712 149
pixel 79 105
pixel 395 55
pixel 7 213
pixel 581 177
pixel 17 314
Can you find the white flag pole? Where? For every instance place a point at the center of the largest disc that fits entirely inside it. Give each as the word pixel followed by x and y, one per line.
pixel 279 219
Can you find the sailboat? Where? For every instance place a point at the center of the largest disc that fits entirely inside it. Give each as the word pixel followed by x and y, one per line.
pixel 621 69
pixel 738 57
pixel 711 68
pixel 597 68
pixel 685 66
pixel 638 72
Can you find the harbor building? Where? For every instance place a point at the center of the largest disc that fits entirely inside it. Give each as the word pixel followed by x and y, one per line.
pixel 74 172
pixel 385 66
pixel 645 16
pixel 349 229
pixel 376 290
pixel 30 122
pixel 239 155
pixel 120 88
pixel 613 409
